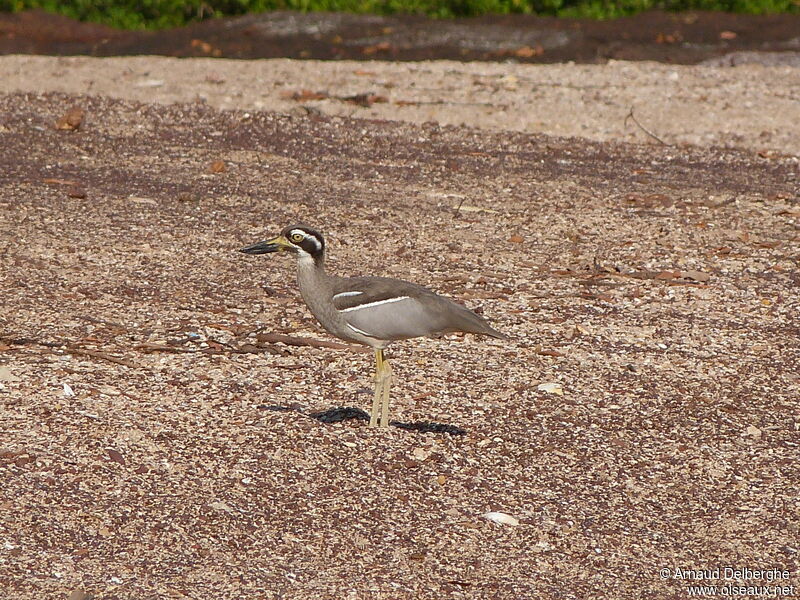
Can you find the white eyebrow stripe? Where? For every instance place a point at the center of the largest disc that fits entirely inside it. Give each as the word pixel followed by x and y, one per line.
pixel 361 331
pixel 376 303
pixel 307 236
pixel 346 294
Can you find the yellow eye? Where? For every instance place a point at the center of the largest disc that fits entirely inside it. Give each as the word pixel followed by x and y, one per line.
pixel 297 237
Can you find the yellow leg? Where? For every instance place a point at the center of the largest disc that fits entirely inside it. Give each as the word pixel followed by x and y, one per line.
pixel 387 381
pixel 380 402
pixel 376 401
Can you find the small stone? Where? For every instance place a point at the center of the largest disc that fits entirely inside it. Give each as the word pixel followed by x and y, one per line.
pixel 501 518
pixel 754 432
pixel 420 454
pixel 551 388
pixel 7 375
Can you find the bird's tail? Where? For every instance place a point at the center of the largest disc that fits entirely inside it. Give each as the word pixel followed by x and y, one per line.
pixel 474 323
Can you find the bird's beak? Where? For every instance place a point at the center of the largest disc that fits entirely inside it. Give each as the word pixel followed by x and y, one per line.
pixel 278 244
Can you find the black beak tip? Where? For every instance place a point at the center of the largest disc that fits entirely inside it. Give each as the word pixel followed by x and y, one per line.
pixel 260 248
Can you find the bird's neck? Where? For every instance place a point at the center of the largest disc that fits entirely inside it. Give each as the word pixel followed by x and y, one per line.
pixel 311 275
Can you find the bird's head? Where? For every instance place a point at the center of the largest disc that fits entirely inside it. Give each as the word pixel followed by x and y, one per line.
pixel 298 239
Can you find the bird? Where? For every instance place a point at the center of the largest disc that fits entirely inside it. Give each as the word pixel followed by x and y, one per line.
pixel 372 311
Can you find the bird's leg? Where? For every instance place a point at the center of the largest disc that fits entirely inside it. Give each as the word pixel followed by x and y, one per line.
pixel 387 380
pixel 376 401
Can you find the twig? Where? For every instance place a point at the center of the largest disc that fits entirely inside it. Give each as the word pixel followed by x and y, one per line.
pixel 230 347
pixel 102 356
pixel 544 352
pixel 631 116
pixel 103 322
pixel 150 347
pixel 458 208
pixel 69 349
pixel 290 340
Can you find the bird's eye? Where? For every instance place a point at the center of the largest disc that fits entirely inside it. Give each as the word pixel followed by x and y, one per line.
pixel 297 237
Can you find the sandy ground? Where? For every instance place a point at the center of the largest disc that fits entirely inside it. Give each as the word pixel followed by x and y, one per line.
pixel 642 419
pixel 748 106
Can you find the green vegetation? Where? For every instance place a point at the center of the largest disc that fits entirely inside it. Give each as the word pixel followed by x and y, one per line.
pixel 155 14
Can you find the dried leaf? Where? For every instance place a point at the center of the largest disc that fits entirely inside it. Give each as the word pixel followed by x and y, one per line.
pixel 24 460
pixel 218 166
pixel 668 275
pixel 71 120
pixel 365 100
pixel 599 296
pixel 115 456
pixel 205 48
pixel 695 275
pixel 475 209
pixel 214 78
pixel 528 52
pixel 216 346
pixel 140 200
pixel 669 38
pixel 305 95
pixel 76 192
pixel 187 197
pixel 543 352
pixel 57 181
pixel 381 47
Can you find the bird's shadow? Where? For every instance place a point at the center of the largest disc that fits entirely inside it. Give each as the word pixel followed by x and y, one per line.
pixel 346 413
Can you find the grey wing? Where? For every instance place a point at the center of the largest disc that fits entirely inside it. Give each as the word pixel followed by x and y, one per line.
pixel 387 309
pixel 398 319
pixel 355 291
pixel 391 309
